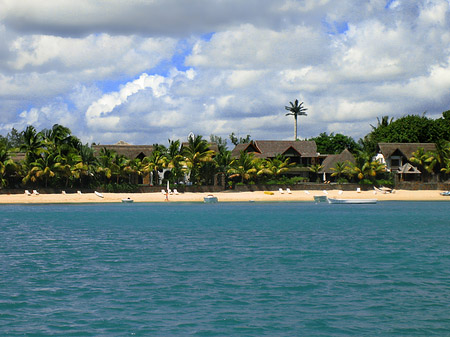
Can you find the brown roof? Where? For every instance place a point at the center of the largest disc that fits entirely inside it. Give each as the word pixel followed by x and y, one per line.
pixel 387 149
pixel 331 160
pixel 122 148
pixel 272 148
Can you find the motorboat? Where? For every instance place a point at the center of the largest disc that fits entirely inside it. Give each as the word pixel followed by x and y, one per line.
pixel 127 200
pixel 352 201
pixel 446 193
pixel 210 199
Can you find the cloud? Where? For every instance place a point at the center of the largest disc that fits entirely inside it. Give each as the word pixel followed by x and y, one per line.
pixel 146 71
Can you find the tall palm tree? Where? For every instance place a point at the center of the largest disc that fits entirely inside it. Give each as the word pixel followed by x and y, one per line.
pixel 196 154
pixel 42 169
pixel 339 170
pixel 296 109
pixel 175 160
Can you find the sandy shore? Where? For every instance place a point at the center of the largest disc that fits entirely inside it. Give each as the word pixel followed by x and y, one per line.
pixel 402 195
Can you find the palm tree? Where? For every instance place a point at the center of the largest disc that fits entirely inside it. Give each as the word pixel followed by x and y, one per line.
pixel 339 169
pixel 243 167
pixel 296 110
pixel 32 144
pixel 316 169
pixel 196 154
pixel 7 166
pixel 175 160
pixel 43 168
pixel 424 160
pixel 157 161
pixel 275 166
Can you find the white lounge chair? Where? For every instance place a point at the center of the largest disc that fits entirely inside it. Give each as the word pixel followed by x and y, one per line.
pixel 281 190
pixel 27 192
pixel 79 192
pixel 325 192
pixel 175 191
pixel 288 190
pixel 35 192
pixel 340 191
pixel 63 192
pixel 163 191
pixel 307 192
pixel 358 190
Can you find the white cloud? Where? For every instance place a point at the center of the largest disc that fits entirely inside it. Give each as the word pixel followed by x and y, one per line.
pixel 112 73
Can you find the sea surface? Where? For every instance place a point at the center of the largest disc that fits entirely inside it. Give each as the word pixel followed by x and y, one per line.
pixel 226 269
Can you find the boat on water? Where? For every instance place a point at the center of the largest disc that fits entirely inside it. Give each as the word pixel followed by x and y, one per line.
pixel 127 200
pixel 352 201
pixel 446 193
pixel 320 198
pixel 210 199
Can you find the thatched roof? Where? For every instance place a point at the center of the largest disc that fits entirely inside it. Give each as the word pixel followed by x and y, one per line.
pixel 406 149
pixel 331 160
pixel 272 148
pixel 123 148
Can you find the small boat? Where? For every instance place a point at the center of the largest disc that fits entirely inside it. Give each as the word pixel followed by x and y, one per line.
pixel 320 198
pixel 446 193
pixel 98 194
pixel 352 201
pixel 210 199
pixel 127 200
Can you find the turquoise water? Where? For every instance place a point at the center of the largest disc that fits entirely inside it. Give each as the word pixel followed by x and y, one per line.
pixel 244 269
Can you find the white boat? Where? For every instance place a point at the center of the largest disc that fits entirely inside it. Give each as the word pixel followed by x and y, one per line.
pixel 210 199
pixel 320 198
pixel 352 201
pixel 127 200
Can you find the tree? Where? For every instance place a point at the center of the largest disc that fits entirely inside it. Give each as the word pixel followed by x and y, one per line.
pixel 339 170
pixel 175 160
pixel 334 144
pixel 157 161
pixel 296 109
pixel 196 153
pixel 316 168
pixel 239 140
pixel 7 166
pixel 243 167
pixel 32 144
pixel 275 166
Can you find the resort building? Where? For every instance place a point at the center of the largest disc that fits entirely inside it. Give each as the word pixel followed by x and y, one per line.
pixel 396 158
pixel 330 162
pixel 302 153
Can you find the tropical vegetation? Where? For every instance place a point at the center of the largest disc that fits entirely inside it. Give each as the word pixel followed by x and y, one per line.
pixel 55 158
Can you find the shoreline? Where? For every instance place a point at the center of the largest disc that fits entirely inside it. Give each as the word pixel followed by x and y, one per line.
pixel 257 196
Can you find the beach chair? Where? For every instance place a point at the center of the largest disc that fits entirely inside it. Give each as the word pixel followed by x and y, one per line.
pixel 358 190
pixel 170 191
pixel 307 192
pixel 175 191
pixel 325 192
pixel 63 192
pixel 288 190
pixel 35 192
pixel 281 190
pixel 27 192
pixel 79 192
pixel 163 191
pixel 340 191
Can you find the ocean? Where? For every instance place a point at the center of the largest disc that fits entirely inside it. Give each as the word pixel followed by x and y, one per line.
pixel 226 269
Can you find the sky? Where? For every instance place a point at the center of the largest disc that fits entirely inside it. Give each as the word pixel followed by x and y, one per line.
pixel 145 71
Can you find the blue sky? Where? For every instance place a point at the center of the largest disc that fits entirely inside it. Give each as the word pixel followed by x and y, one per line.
pixel 148 71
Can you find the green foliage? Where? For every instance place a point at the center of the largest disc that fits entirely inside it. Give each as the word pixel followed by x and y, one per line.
pixel 335 143
pixel 295 109
pixel 239 140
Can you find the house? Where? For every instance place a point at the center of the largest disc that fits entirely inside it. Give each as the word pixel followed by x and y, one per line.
pixel 302 153
pixel 330 162
pixel 396 158
pixel 395 155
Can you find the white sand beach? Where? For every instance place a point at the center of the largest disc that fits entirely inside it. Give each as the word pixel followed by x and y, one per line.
pixel 227 196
